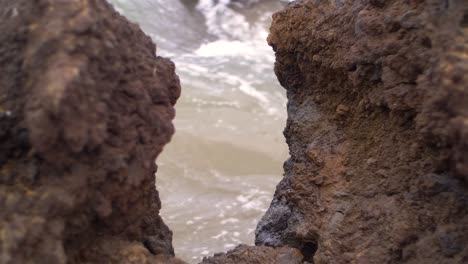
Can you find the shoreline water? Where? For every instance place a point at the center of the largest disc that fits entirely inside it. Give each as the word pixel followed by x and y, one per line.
pixel 217 176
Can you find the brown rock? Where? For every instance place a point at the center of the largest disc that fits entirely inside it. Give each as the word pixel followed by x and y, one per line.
pixel 85 108
pixel 342 110
pixel 244 254
pixel 401 67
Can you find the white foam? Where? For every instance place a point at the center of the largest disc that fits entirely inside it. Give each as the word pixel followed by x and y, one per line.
pixel 248 89
pixel 230 221
pixel 220 235
pixel 226 48
pixel 221 20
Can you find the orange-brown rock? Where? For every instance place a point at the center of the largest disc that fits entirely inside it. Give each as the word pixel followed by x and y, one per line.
pixel 377 131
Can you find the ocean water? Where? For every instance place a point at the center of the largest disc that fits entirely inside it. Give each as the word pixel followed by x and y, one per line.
pixel 217 176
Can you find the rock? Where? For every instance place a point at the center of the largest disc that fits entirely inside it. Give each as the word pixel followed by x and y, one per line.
pixel 342 110
pixel 244 254
pixel 370 161
pixel 401 158
pixel 109 250
pixel 157 246
pixel 86 106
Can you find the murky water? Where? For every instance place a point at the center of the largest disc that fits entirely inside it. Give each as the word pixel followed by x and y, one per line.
pixel 217 176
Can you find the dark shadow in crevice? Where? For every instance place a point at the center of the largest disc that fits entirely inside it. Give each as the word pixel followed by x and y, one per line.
pixel 464 21
pixel 308 250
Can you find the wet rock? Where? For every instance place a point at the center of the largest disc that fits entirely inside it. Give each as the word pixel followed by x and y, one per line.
pixel 157 246
pixel 274 223
pixel 86 106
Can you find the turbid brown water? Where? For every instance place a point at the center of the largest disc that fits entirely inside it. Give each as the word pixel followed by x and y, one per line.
pixel 218 175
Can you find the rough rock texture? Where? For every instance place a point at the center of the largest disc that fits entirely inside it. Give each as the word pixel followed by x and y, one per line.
pixel 377 131
pixel 85 108
pixel 243 254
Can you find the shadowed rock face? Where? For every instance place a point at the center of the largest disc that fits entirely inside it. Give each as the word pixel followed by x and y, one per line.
pixel 85 108
pixel 377 131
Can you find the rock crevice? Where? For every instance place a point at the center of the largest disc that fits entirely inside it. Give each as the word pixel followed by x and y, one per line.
pixel 377 110
pixel 377 130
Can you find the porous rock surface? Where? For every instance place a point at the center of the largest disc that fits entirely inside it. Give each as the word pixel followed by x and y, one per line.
pixel 85 108
pixel 377 130
pixel 244 254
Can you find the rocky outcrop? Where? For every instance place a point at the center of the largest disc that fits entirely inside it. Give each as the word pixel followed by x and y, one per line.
pixel 377 131
pixel 85 108
pixel 243 254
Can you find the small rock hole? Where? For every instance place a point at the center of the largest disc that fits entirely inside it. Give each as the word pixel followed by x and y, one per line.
pixel 352 67
pixel 426 42
pixel 308 251
pixel 464 21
